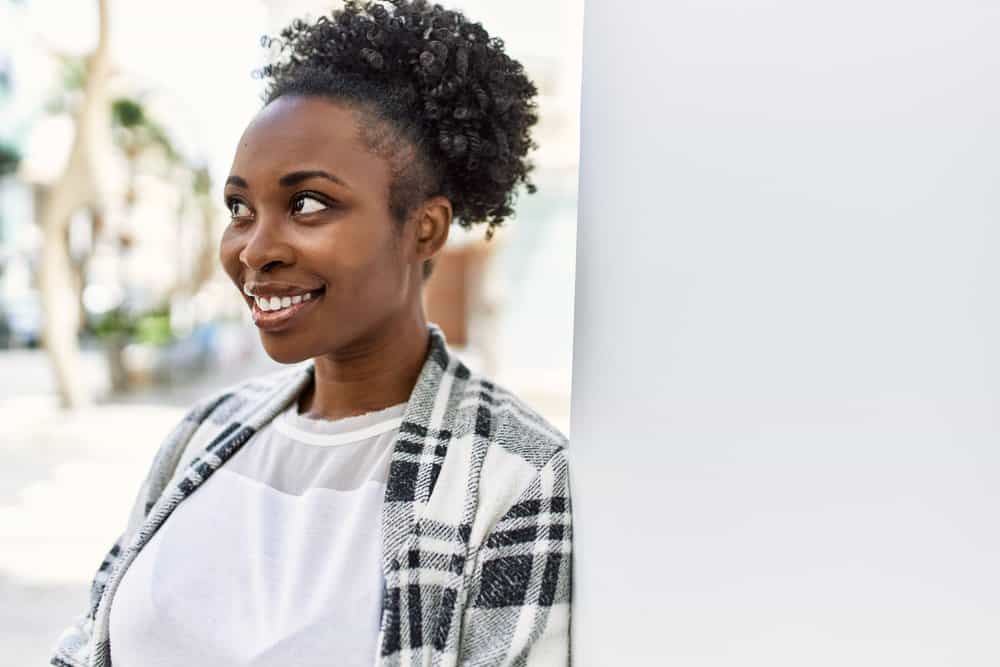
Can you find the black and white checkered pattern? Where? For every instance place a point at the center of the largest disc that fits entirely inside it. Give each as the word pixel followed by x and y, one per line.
pixel 521 593
pixel 476 523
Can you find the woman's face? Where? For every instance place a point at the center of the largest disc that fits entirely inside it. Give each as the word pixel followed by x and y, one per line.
pixel 310 213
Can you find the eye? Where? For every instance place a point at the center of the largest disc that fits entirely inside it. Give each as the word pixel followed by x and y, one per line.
pixel 307 204
pixel 237 209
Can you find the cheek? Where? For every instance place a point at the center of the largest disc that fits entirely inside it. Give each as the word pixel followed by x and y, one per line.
pixel 363 249
pixel 228 253
pixel 390 258
pixel 373 270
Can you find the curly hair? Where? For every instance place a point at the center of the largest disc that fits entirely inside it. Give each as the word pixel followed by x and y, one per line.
pixel 440 99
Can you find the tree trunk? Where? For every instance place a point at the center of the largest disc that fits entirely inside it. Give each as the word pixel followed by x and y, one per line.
pixel 61 316
pixel 77 187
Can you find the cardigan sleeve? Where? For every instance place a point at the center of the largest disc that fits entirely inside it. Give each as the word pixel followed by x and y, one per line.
pixel 72 648
pixel 519 606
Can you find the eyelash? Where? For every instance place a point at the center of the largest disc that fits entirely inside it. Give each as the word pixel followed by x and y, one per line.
pixel 326 202
pixel 230 202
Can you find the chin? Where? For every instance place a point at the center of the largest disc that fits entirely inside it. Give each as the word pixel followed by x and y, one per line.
pixel 283 354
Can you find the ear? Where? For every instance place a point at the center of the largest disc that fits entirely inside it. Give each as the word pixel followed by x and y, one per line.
pixel 433 220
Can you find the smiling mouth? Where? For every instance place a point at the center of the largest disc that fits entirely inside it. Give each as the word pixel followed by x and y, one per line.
pixel 282 317
pixel 276 304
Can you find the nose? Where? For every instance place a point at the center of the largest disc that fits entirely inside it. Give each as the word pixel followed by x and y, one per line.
pixel 265 247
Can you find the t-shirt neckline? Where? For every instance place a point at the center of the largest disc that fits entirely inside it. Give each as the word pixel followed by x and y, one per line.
pixel 332 432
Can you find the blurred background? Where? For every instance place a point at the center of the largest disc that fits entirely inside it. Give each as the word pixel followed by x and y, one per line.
pixel 118 122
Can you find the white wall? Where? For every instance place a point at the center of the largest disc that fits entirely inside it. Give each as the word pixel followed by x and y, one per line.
pixel 786 390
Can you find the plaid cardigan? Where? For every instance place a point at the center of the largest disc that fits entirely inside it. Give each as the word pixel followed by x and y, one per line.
pixel 476 523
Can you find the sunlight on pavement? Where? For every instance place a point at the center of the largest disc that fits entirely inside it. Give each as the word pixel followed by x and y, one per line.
pixel 58 524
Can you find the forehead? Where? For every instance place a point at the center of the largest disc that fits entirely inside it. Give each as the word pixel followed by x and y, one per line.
pixel 293 133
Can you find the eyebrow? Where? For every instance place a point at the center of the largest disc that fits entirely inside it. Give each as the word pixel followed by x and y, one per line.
pixel 299 176
pixel 290 179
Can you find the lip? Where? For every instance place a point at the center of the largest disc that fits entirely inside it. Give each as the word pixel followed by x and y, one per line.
pixel 279 320
pixel 270 289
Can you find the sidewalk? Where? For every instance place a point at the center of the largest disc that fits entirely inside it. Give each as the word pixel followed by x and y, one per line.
pixel 67 482
pixel 65 487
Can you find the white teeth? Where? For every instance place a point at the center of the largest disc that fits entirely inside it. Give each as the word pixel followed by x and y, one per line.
pixel 278 302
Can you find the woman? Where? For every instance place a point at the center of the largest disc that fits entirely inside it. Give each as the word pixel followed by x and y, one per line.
pixel 382 503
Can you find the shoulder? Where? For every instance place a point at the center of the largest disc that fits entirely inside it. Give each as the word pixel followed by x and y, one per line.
pixel 216 411
pixel 524 453
pixel 510 423
pixel 201 423
pixel 220 406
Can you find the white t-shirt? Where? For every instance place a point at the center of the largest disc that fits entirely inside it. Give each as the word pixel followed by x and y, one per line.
pixel 274 560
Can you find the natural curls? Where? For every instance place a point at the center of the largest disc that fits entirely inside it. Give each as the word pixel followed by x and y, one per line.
pixel 442 83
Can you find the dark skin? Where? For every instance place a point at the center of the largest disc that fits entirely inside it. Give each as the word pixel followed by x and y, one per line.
pixel 367 332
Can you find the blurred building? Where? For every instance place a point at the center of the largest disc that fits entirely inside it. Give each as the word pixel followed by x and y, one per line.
pixel 18 306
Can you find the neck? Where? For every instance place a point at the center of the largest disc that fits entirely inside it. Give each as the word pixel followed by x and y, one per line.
pixel 375 373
